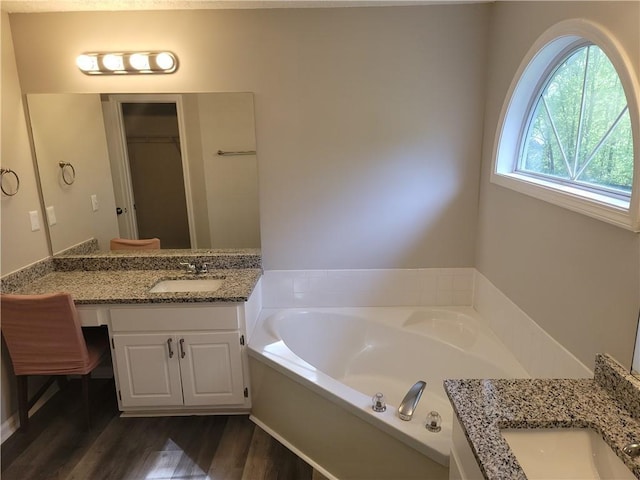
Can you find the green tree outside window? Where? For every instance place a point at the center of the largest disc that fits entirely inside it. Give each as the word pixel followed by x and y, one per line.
pixel 579 129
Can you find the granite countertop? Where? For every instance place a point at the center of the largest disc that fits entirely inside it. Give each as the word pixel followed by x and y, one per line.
pixel 165 259
pixel 608 404
pixel 132 286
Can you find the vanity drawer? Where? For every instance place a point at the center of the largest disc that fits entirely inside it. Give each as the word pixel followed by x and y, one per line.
pixel 169 318
pixel 93 316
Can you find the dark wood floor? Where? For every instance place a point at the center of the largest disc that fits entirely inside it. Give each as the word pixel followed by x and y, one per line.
pixel 58 446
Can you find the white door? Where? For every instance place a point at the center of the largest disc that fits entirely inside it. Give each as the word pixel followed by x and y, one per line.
pixel 125 181
pixel 211 368
pixel 148 370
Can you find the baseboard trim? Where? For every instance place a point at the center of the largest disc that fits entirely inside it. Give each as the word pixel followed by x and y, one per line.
pixel 11 424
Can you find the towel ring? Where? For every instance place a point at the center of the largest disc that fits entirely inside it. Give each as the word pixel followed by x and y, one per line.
pixel 64 165
pixel 3 172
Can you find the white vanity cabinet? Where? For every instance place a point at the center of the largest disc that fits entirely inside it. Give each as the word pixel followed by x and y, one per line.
pixel 180 358
pixel 462 462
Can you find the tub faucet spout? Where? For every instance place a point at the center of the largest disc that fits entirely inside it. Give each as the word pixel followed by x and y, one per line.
pixel 410 401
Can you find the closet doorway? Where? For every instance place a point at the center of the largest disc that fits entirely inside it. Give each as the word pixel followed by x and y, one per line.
pixel 150 169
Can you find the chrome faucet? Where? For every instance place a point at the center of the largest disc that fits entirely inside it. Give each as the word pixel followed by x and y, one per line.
pixel 189 267
pixel 195 267
pixel 410 401
pixel 632 449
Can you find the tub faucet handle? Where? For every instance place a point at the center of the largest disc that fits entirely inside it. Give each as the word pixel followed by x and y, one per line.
pixel 410 401
pixel 379 404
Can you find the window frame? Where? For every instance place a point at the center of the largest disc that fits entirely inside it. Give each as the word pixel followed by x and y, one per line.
pixel 539 62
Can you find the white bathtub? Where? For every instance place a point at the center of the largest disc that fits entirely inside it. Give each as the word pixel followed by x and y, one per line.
pixel 346 355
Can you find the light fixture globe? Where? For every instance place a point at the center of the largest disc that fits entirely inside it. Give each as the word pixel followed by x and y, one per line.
pixel 87 63
pixel 113 62
pixel 165 61
pixel 139 61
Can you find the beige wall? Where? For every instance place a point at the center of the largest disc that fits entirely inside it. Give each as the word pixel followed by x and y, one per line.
pixel 227 123
pixel 577 277
pixel 83 144
pixel 20 246
pixel 367 120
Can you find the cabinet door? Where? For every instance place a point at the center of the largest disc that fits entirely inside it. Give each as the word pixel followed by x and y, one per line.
pixel 148 369
pixel 211 368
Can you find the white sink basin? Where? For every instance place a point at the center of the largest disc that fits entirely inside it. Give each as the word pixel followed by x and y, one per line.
pixel 565 453
pixel 187 285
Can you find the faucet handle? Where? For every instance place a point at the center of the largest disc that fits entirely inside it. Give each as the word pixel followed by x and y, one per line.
pixel 190 267
pixel 203 268
pixel 434 422
pixel 632 449
pixel 379 404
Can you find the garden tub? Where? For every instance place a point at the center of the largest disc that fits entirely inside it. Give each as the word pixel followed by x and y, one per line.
pixel 314 372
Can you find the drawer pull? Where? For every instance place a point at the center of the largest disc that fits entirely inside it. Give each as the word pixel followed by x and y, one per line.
pixel 169 340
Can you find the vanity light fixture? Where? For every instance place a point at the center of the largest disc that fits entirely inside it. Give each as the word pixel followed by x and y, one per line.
pixel 122 63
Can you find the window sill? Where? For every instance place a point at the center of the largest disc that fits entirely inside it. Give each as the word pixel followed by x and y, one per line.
pixel 607 209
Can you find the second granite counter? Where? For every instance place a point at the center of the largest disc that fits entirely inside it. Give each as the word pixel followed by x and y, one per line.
pixel 608 404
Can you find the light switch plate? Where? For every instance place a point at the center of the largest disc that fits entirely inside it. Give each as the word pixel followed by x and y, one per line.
pixel 94 202
pixel 51 216
pixel 35 221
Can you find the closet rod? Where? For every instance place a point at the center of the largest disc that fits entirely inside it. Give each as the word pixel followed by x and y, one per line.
pixel 223 153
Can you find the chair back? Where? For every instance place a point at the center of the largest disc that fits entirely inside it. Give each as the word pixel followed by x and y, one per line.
pixel 43 334
pixel 128 244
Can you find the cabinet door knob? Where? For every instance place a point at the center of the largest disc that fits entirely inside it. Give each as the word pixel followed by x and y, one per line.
pixel 169 340
pixel 182 354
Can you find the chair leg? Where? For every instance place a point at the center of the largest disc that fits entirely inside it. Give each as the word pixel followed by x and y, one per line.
pixel 62 381
pixel 23 402
pixel 85 398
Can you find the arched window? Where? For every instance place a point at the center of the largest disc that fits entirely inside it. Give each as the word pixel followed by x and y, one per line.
pixel 566 133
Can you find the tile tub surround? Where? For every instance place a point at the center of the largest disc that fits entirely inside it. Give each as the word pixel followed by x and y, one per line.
pixel 368 287
pixel 132 286
pixel 164 259
pixel 538 352
pixel 484 407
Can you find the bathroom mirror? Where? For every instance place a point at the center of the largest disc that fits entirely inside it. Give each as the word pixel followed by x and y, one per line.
pixel 180 167
pixel 635 365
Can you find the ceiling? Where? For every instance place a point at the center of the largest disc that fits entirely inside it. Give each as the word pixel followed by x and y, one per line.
pixel 34 6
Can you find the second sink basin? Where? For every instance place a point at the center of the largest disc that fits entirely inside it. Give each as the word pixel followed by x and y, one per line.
pixel 187 285
pixel 565 453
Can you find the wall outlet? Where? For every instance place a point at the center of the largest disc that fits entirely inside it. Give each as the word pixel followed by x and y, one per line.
pixel 51 216
pixel 94 203
pixel 35 221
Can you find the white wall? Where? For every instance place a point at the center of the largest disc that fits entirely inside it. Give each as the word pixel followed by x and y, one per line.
pixel 367 120
pixel 577 277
